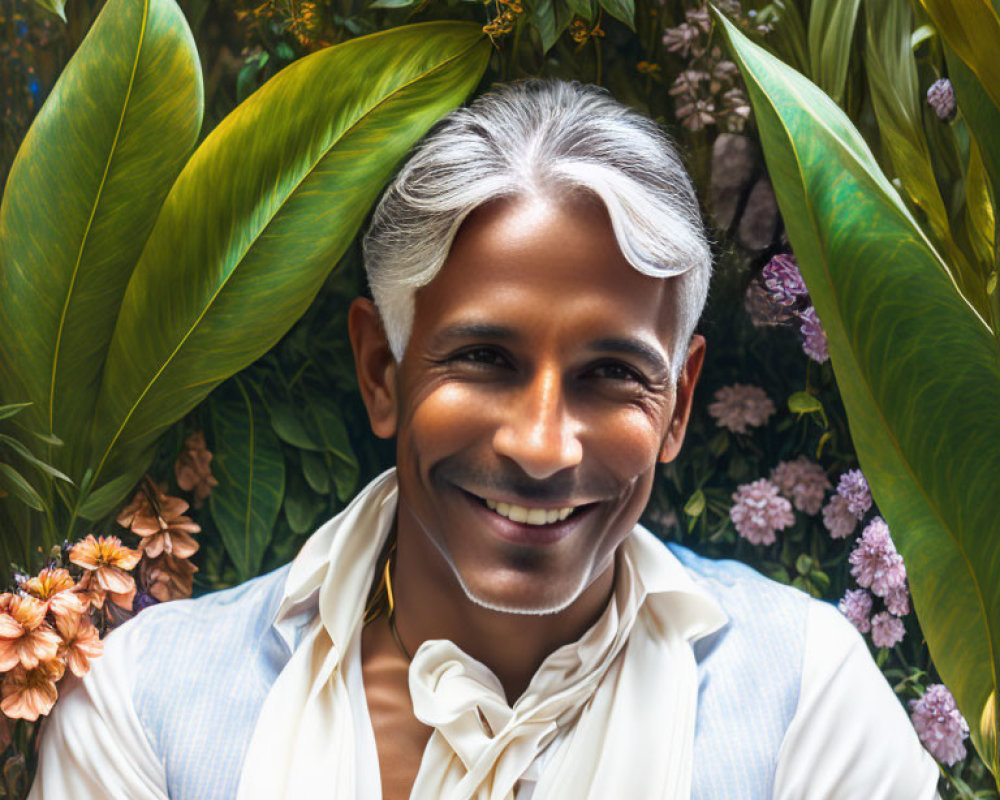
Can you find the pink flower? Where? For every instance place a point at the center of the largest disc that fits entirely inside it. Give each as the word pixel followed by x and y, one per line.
pixel 802 481
pixel 838 519
pixel 814 342
pixel 875 564
pixel 887 630
pixel 783 281
pixel 760 511
pixel 739 406
pixel 898 601
pixel 939 724
pixel 856 605
pixel 853 487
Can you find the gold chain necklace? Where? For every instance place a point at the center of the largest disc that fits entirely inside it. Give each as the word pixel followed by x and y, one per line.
pixel 383 601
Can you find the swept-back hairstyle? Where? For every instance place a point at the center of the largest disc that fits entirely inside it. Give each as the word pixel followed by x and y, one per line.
pixel 539 138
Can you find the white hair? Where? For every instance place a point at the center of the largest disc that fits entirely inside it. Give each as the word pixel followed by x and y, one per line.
pixel 539 138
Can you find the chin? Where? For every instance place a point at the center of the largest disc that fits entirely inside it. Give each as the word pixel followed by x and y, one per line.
pixel 533 595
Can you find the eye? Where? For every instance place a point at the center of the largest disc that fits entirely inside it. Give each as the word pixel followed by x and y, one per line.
pixel 481 356
pixel 619 372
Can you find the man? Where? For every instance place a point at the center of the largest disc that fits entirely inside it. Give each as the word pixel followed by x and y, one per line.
pixel 488 620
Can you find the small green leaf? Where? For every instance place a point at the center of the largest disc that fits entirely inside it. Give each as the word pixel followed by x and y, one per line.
pixel 820 579
pixel 301 505
pixel 315 472
pixel 623 10
pixel 719 443
pixel 543 18
pixel 804 564
pixel 695 504
pixel 12 409
pixel 345 478
pixel 14 482
pixel 287 423
pixel 57 7
pixel 804 403
pixel 393 3
pixel 831 31
pixel 31 458
pixel 99 503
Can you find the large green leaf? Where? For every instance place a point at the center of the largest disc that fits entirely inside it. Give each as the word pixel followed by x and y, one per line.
pixel 260 215
pixel 918 369
pixel 831 31
pixel 81 198
pixel 250 468
pixel 897 101
pixel 972 29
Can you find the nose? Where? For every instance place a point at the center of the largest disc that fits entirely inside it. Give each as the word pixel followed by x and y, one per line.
pixel 539 434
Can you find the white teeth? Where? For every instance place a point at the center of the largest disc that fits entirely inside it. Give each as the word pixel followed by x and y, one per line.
pixel 529 516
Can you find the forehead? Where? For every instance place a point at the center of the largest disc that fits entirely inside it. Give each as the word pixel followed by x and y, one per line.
pixel 544 264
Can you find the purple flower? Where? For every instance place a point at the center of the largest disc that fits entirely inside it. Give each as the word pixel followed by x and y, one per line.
pixel 763 311
pixel 887 630
pixel 875 564
pixel 760 511
pixel 814 342
pixel 853 487
pixel 940 725
pixel 856 605
pixel 783 280
pixel 802 481
pixel 838 519
pixel 898 601
pixel 941 97
pixel 738 407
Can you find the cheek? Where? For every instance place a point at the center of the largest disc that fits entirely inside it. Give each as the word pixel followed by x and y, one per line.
pixel 627 442
pixel 446 419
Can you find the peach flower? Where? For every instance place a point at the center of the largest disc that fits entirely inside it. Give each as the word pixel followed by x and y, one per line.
pixel 57 589
pixel 107 562
pixel 193 469
pixel 30 693
pixel 161 524
pixel 168 578
pixel 80 643
pixel 25 637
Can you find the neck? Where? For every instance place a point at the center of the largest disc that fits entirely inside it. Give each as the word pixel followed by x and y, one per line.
pixel 431 604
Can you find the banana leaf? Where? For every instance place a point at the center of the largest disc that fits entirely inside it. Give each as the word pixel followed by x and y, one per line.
pixel 81 198
pixel 260 215
pixel 918 369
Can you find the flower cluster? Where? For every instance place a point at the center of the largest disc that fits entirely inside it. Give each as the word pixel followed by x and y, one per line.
pixel 939 724
pixel 853 489
pixel 53 621
pixel 878 567
pixel 802 481
pixel 778 296
pixel 759 511
pixel 740 406
pixel 709 91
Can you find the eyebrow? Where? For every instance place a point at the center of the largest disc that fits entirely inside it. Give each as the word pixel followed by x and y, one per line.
pixel 636 348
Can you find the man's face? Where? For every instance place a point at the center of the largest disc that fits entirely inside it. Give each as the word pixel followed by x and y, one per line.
pixel 533 402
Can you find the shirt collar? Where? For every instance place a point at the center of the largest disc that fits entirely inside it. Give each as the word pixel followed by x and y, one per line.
pixel 670 590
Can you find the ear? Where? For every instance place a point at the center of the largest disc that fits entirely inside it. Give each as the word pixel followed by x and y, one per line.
pixel 682 401
pixel 375 366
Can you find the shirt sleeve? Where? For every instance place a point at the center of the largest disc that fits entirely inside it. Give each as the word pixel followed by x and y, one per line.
pixel 93 745
pixel 850 736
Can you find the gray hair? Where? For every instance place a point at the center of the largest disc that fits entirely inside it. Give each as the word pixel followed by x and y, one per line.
pixel 531 138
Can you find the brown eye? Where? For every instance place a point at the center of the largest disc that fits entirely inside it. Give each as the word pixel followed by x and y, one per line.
pixel 616 371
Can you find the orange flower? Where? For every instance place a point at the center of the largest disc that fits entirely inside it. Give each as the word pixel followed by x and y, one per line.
pixel 193 468
pixel 25 637
pixel 168 578
pixel 161 524
pixel 80 643
pixel 29 693
pixel 106 561
pixel 56 588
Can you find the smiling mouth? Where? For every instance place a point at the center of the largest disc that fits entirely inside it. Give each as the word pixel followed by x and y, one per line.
pixel 529 516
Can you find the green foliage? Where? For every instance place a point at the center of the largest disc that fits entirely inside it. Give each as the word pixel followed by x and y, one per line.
pixel 82 195
pixel 831 35
pixel 250 468
pixel 917 367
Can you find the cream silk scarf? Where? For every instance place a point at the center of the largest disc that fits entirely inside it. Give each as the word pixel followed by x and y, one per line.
pixel 622 700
